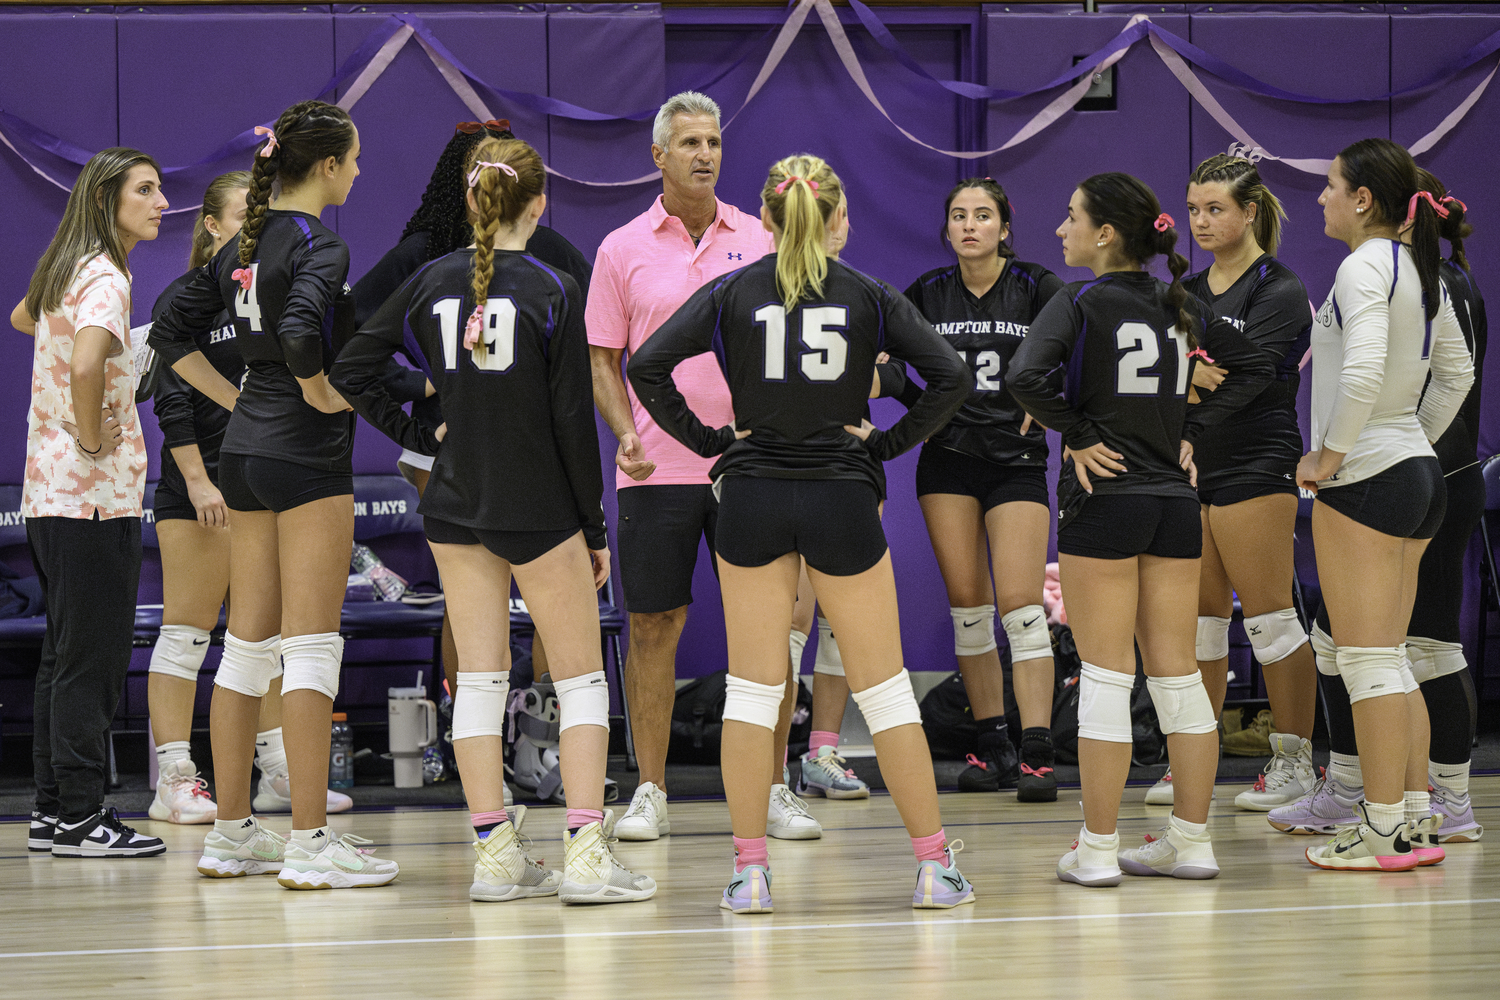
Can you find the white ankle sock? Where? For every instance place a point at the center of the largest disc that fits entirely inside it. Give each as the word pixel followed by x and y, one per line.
pixel 171 753
pixel 1453 777
pixel 237 830
pixel 1099 841
pixel 1417 806
pixel 1344 768
pixel 1385 817
pixel 270 754
pixel 1193 831
pixel 311 840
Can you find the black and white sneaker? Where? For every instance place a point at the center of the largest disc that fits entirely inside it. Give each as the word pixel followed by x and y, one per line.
pixel 39 837
pixel 103 836
pixel 995 767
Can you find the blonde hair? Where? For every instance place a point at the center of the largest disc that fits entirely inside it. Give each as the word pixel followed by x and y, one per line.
pixel 500 199
pixel 215 200
pixel 1242 179
pixel 801 194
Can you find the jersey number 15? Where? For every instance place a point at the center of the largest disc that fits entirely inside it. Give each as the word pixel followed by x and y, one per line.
pixel 828 352
pixel 498 331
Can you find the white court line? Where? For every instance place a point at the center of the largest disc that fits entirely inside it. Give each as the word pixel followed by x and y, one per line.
pixel 730 928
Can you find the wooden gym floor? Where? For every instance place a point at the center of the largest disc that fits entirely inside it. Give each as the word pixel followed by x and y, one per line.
pixel 1270 926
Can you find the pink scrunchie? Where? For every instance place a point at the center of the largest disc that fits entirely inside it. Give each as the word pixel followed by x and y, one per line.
pixel 793 177
pixel 244 276
pixel 1164 222
pixel 269 148
pixel 474 328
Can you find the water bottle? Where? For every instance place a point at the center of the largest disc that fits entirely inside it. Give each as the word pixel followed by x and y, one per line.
pixel 341 753
pixel 388 584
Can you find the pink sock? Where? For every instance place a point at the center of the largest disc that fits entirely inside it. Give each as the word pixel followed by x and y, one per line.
pixel 821 739
pixel 579 818
pixel 484 822
pixel 786 756
pixel 749 851
pixel 930 848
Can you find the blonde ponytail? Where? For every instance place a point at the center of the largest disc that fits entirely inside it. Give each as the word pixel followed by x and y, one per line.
pixel 801 194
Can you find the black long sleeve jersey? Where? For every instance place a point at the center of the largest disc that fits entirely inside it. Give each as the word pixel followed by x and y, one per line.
pixel 284 325
pixel 985 331
pixel 1268 303
pixel 522 450
pixel 1458 448
pixel 1104 361
pixel 405 259
pixel 797 378
pixel 187 416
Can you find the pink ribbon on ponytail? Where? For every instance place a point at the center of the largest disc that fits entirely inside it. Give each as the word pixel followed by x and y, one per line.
pixel 244 276
pixel 503 167
pixel 269 148
pixel 1201 353
pixel 1437 206
pixel 474 328
pixel 782 186
pixel 1455 201
pixel 1163 223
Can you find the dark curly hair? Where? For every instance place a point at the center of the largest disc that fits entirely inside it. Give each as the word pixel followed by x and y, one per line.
pixel 443 214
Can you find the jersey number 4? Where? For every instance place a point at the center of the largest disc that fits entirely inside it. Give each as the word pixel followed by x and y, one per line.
pixel 499 333
pixel 1139 358
pixel 828 348
pixel 246 305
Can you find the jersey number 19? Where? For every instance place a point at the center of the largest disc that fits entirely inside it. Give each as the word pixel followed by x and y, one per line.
pixel 828 352
pixel 498 331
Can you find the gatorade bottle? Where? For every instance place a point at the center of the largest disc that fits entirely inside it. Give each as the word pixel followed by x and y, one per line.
pixel 341 753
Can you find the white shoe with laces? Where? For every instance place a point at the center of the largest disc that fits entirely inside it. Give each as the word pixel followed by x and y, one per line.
pixel 1288 776
pixel 182 796
pixel 503 870
pixel 1090 866
pixel 646 819
pixel 274 795
pixel 1172 853
pixel 787 817
pixel 261 852
pixel 592 873
pixel 339 863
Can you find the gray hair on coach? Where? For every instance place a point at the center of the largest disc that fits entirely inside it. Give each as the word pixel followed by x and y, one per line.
pixel 689 102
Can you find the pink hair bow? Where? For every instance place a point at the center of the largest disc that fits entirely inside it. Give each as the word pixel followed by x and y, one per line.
pixel 793 177
pixel 1437 206
pixel 1460 204
pixel 474 328
pixel 244 276
pixel 270 147
pixel 1163 223
pixel 504 167
pixel 1201 353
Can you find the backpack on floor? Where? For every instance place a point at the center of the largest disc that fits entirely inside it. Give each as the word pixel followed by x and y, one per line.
pixel 948 720
pixel 1067 666
pixel 698 720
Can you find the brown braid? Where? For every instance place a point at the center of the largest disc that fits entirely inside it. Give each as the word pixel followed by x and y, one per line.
pixel 306 135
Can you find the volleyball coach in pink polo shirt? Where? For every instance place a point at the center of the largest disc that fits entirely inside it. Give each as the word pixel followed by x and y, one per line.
pixel 645 270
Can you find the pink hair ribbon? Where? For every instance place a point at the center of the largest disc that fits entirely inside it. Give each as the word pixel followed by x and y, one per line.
pixel 474 328
pixel 503 167
pixel 1163 223
pixel 1460 204
pixel 793 177
pixel 269 148
pixel 1437 206
pixel 1201 353
pixel 244 276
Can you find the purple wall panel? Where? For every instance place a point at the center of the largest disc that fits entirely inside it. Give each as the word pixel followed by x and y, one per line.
pixel 77 105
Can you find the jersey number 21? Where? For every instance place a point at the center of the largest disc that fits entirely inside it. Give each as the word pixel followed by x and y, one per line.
pixel 1139 356
pixel 499 333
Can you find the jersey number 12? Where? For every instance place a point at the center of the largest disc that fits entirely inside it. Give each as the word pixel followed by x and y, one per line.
pixel 499 333
pixel 828 352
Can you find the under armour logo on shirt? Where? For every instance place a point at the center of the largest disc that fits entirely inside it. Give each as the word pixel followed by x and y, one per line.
pixel 735 256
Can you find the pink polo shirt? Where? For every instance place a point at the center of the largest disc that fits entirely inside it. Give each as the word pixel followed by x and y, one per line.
pixel 646 269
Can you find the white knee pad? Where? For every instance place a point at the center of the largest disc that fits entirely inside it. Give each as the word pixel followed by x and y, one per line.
pixel 1104 704
pixel 796 643
pixel 1408 679
pixel 973 630
pixel 249 667
pixel 1325 653
pixel 312 663
pixel 582 701
pixel 1026 628
pixel 1213 638
pixel 752 703
pixel 1275 635
pixel 828 659
pixel 1182 704
pixel 1431 659
pixel 1370 671
pixel 179 651
pixel 479 704
pixel 889 704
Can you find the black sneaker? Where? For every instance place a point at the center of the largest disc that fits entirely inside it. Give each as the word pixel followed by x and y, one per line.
pixel 1038 782
pixel 39 838
pixel 994 768
pixel 103 836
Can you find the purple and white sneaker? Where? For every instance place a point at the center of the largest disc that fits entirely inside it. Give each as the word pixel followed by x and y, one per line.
pixel 1328 808
pixel 749 891
pixel 942 886
pixel 1457 811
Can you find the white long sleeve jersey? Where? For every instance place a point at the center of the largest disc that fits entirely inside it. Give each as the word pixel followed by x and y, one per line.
pixel 1373 348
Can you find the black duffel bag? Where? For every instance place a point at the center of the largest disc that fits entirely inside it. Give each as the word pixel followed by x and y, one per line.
pixel 698 720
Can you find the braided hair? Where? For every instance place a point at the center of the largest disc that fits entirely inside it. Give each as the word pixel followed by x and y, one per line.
pixel 1242 179
pixel 306 134
pixel 500 199
pixel 443 214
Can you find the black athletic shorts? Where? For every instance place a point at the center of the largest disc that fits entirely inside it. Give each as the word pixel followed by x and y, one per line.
pixel 1226 494
pixel 172 502
pixel 252 482
pixel 658 536
pixel 832 523
pixel 516 547
pixel 1440 578
pixel 1123 525
pixel 943 470
pixel 1407 500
